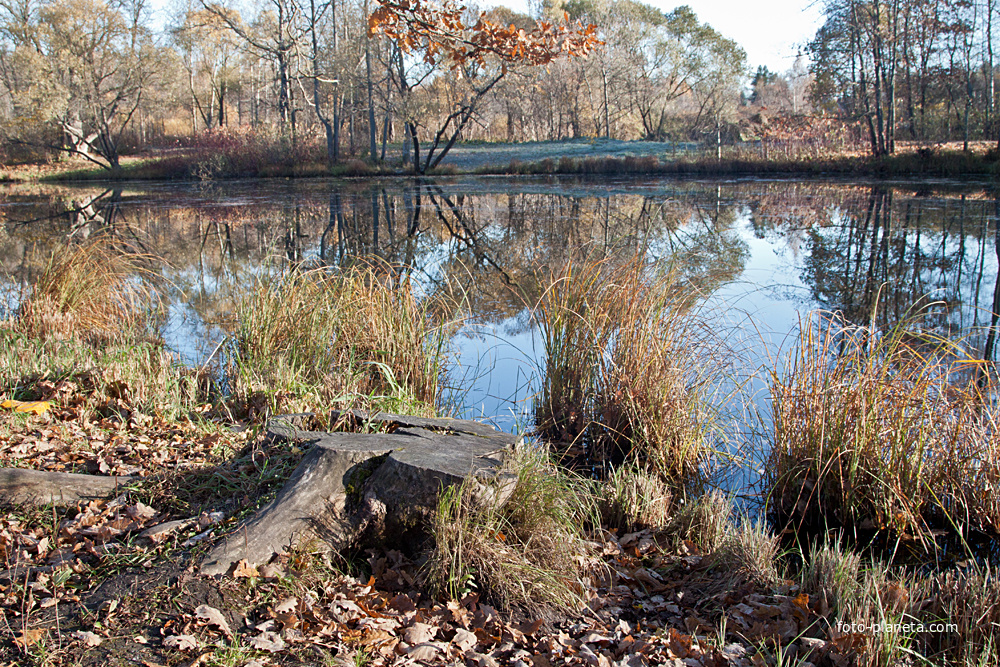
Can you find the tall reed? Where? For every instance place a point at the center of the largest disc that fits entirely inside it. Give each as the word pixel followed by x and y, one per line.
pixel 626 367
pixel 325 336
pixel 875 431
pixel 93 292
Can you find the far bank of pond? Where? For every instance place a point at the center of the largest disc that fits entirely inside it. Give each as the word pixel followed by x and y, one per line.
pixel 586 157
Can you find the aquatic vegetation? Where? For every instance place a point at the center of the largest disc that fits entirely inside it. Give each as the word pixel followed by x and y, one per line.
pixel 881 432
pixel 625 369
pixel 92 292
pixel 319 336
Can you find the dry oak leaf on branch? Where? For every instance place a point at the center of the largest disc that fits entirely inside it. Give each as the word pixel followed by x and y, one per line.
pixel 439 30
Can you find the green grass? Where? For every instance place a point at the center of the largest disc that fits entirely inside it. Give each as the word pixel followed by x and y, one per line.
pixel 139 375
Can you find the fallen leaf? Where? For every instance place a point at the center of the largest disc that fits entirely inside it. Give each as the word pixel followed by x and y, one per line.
pixel 35 407
pixel 29 637
pixel 268 641
pixel 88 638
pixel 181 642
pixel 423 652
pixel 287 605
pixel 464 640
pixel 419 633
pixel 213 616
pixel 245 570
pixel 402 603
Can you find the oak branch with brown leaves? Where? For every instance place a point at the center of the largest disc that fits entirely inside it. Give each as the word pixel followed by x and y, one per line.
pixel 439 32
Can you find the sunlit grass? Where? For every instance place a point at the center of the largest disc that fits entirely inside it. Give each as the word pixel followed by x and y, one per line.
pixel 522 547
pixel 92 292
pixel 351 338
pixel 881 432
pixel 626 367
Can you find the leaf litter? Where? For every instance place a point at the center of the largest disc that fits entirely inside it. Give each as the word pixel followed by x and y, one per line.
pixel 650 604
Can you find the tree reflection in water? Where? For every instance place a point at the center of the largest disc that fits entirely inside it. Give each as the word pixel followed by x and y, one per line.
pixel 908 250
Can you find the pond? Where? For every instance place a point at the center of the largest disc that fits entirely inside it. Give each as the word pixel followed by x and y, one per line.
pixel 763 255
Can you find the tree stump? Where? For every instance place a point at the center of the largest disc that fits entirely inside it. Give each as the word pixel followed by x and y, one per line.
pixel 384 486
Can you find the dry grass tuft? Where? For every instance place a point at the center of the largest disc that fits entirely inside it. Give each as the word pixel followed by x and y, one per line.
pixel 350 338
pixel 832 573
pixel 970 601
pixel 93 293
pixel 621 380
pixel 873 432
pixel 751 552
pixel 633 499
pixel 704 522
pixel 526 551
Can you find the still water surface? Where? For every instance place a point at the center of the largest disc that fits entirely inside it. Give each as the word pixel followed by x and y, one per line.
pixel 763 254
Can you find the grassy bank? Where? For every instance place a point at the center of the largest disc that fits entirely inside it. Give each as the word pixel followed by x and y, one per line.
pixel 241 155
pixel 602 542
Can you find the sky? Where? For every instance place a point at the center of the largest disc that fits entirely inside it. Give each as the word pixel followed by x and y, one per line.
pixel 770 31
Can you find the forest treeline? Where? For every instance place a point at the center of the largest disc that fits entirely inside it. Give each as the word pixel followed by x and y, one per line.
pixel 329 80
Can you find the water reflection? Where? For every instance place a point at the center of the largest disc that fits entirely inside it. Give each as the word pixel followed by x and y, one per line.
pixel 773 249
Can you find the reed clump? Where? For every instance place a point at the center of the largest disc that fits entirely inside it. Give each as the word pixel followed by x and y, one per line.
pixel 91 292
pixel 86 332
pixel 523 547
pixel 356 337
pixel 874 432
pixel 625 369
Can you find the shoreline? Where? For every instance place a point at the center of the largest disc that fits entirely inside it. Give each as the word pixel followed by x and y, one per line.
pixel 474 160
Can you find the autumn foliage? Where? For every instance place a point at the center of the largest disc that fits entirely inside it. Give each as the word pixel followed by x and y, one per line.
pixel 439 30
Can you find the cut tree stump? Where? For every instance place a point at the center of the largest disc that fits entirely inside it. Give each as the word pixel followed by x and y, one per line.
pixel 38 487
pixel 383 486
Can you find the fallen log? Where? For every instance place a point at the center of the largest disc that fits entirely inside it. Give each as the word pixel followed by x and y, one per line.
pixel 384 486
pixel 20 486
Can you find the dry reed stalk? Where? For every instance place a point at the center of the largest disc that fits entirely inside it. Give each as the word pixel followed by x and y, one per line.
pixel 873 432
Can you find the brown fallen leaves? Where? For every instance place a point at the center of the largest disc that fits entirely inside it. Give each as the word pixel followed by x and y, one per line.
pixel 657 606
pixel 47 563
pixel 69 438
